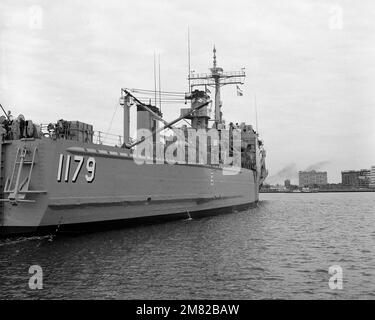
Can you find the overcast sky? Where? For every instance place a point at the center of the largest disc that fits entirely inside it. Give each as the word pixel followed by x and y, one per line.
pixel 310 63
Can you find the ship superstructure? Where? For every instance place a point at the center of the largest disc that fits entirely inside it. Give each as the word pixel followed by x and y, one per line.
pixel 55 178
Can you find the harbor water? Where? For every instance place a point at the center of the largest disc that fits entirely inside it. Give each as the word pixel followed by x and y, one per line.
pixel 282 249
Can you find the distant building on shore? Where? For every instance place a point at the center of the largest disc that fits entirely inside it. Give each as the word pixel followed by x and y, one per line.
pixel 312 178
pixel 356 178
pixel 372 177
pixel 287 183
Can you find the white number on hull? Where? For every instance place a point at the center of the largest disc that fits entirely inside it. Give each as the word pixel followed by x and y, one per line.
pixel 67 168
pixel 90 167
pixel 59 170
pixel 80 159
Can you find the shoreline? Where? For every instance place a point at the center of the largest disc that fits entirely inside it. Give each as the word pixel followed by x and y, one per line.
pixel 320 191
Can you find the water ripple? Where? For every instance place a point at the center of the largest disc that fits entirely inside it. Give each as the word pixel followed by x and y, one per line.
pixel 280 250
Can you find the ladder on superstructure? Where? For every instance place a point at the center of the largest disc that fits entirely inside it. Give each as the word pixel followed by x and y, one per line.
pixel 14 186
pixel 2 153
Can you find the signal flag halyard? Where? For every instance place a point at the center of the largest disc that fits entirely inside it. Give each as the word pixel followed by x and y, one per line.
pixel 239 91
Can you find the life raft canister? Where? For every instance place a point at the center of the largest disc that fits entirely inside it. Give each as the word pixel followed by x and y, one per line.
pixel 15 130
pixel 29 129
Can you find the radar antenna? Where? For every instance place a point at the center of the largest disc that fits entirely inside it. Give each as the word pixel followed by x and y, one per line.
pixel 217 78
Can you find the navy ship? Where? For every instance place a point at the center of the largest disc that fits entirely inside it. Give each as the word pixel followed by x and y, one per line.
pixel 55 179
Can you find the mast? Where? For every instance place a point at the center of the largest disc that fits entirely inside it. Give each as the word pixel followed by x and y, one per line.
pixel 159 85
pixel 155 78
pixel 125 103
pixel 215 72
pixel 217 78
pixel 189 68
pixel 256 112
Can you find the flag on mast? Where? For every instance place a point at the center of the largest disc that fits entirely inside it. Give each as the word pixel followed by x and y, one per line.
pixel 239 91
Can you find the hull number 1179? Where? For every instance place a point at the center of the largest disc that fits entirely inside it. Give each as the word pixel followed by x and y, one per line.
pixel 66 174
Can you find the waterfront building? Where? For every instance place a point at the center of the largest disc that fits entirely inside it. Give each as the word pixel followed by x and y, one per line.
pixel 287 183
pixel 372 177
pixel 311 178
pixel 356 178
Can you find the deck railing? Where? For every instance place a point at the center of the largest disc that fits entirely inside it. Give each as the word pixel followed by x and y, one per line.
pixel 99 137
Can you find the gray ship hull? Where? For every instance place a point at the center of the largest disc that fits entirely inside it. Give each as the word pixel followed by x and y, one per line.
pixel 67 186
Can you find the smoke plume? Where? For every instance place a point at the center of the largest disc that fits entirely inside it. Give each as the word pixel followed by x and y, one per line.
pixel 288 172
pixel 317 166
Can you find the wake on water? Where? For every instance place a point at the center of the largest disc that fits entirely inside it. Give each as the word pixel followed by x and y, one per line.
pixel 7 242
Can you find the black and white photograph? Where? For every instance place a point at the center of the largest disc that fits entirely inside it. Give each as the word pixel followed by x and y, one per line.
pixel 204 153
